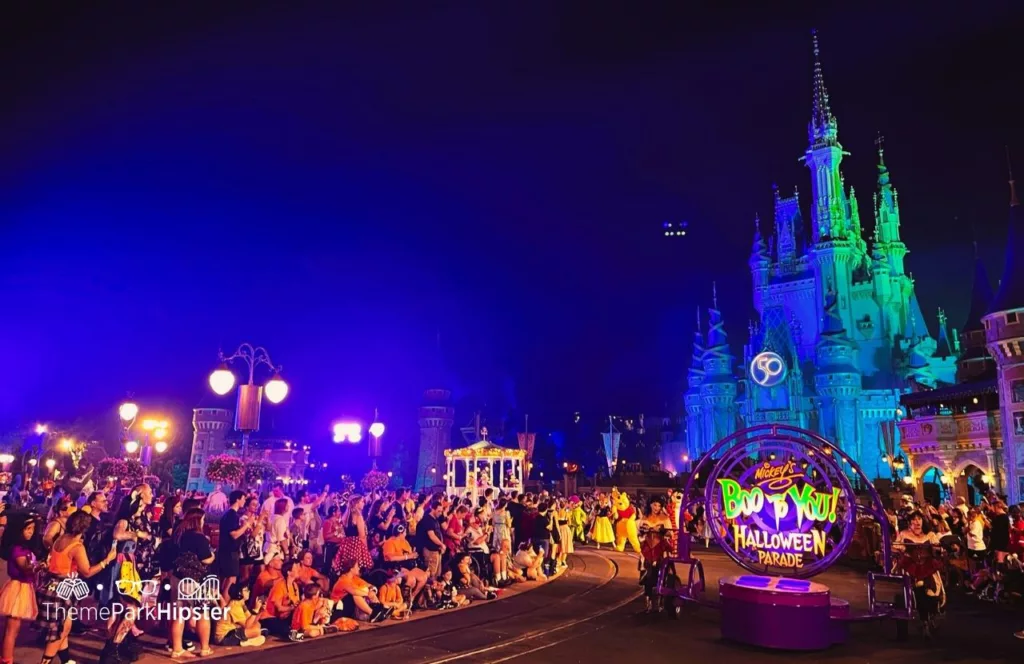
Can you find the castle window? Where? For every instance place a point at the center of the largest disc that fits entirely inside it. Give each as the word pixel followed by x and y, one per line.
pixel 1011 317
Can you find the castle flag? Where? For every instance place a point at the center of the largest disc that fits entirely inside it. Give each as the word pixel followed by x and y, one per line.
pixel 526 442
pixel 611 449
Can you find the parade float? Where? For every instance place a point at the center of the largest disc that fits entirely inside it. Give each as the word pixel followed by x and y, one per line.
pixel 780 502
pixel 475 468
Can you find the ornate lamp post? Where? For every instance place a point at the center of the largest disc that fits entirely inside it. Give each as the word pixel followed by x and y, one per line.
pixel 376 431
pixel 250 395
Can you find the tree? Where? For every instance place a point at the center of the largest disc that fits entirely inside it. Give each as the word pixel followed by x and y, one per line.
pixel 179 475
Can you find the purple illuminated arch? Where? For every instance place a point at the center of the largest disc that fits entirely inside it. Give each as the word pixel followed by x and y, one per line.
pixel 826 467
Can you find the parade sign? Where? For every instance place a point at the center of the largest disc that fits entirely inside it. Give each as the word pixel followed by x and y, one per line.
pixel 768 369
pixel 777 507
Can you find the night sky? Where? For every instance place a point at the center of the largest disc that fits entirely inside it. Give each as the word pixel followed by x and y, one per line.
pixel 342 185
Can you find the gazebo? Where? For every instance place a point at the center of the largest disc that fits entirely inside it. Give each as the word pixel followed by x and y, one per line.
pixel 473 469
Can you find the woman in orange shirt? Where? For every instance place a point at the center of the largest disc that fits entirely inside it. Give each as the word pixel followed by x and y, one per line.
pixel 266 579
pixel 67 558
pixel 308 573
pixel 284 597
pixel 355 597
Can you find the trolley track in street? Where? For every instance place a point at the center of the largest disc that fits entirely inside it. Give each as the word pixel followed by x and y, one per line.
pixel 591 587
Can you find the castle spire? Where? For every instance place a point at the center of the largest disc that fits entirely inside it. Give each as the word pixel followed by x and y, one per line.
pixel 823 130
pixel 696 367
pixel 942 346
pixel 759 252
pixel 1010 294
pixel 981 295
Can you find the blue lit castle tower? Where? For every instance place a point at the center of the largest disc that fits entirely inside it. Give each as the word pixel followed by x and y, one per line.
pixel 840 311
pixel 718 388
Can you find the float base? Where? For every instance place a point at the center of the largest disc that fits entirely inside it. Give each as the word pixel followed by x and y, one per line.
pixel 780 613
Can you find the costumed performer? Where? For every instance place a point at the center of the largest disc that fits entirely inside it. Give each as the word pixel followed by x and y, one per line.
pixel 577 518
pixel 678 519
pixel 653 553
pixel 601 532
pixel 656 516
pixel 625 522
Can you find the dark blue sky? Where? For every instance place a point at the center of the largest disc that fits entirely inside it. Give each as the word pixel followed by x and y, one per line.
pixel 340 184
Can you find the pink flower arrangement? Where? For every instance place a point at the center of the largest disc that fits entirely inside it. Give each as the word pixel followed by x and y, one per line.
pixel 375 480
pixel 225 469
pixel 127 472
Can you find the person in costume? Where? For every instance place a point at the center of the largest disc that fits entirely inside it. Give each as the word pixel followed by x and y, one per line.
pixel 577 518
pixel 656 516
pixel 601 532
pixel 653 553
pixel 676 517
pixel 625 522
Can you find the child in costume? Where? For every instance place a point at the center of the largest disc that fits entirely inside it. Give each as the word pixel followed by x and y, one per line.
pixel 625 522
pixel 601 532
pixel 653 553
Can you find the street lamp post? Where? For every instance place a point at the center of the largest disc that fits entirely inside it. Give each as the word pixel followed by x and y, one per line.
pixel 250 395
pixel 376 431
pixel 128 413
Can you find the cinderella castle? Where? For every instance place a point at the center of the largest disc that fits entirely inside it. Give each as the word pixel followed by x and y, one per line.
pixel 837 317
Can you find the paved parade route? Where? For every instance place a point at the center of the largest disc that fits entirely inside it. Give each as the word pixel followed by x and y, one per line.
pixel 593 613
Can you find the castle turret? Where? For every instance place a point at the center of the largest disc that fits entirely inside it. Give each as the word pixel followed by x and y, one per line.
pixel 1004 334
pixel 695 443
pixel 760 262
pixel 210 427
pixel 718 390
pixel 838 381
pixel 788 223
pixel 975 362
pixel 436 417
pixel 887 217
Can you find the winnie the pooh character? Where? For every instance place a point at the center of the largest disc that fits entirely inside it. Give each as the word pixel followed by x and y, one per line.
pixel 625 522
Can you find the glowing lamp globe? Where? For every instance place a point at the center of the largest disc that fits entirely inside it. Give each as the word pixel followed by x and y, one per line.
pixel 131 447
pixel 50 463
pixel 276 389
pixel 161 446
pixel 32 462
pixel 128 411
pixel 377 429
pixel 222 380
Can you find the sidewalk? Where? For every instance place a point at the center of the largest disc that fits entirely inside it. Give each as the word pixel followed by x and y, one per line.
pixel 87 647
